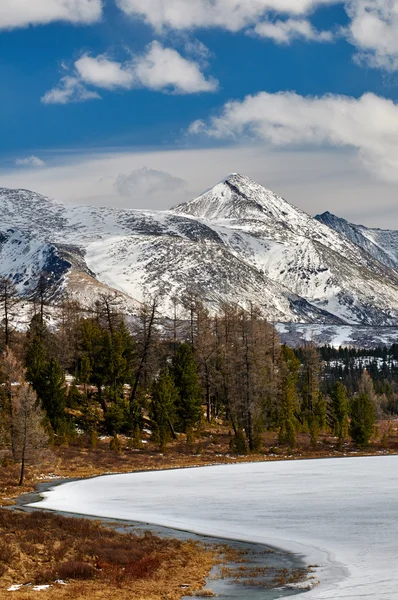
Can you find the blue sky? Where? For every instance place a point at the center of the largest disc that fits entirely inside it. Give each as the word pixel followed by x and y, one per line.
pixel 300 94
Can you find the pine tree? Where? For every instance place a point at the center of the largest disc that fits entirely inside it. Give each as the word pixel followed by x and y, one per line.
pixel 287 415
pixel 163 408
pixel 339 406
pixel 51 391
pixel 363 419
pixel 313 407
pixel 189 404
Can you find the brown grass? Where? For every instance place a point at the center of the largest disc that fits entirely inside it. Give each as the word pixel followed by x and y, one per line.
pixel 211 446
pixel 95 561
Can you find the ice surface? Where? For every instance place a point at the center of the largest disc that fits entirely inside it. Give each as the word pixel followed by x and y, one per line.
pixel 339 513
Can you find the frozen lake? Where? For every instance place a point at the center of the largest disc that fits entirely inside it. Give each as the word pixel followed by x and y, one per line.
pixel 341 514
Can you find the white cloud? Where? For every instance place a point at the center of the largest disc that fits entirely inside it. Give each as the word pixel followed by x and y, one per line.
pixel 150 187
pixel 283 32
pixel 233 15
pixel 30 161
pixel 315 179
pixel 104 73
pixel 21 13
pixel 69 89
pixel 165 69
pixel 372 28
pixel 368 124
pixel 374 31
pixel 158 68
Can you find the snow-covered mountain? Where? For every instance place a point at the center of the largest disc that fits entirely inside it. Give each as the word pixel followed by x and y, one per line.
pixel 237 242
pixel 381 244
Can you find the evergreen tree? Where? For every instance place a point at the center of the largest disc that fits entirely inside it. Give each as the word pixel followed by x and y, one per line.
pixel 339 409
pixel 189 405
pixel 363 419
pixel 51 391
pixel 313 407
pixel 163 407
pixel 287 415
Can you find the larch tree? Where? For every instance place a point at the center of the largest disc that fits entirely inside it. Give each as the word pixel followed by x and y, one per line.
pixel 8 305
pixel 12 374
pixel 146 340
pixel 28 430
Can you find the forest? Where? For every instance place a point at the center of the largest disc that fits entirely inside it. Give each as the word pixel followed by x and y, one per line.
pixel 88 373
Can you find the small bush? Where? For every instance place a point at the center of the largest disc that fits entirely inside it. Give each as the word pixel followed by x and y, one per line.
pixel 238 443
pixel 6 552
pixel 143 568
pixel 75 570
pixel 115 445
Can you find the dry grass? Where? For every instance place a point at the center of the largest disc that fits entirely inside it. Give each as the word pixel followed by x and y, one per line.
pixel 95 561
pixel 210 447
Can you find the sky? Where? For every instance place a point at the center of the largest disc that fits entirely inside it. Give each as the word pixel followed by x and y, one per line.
pixel 145 104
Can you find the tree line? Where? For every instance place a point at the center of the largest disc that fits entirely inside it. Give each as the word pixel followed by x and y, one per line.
pixel 171 375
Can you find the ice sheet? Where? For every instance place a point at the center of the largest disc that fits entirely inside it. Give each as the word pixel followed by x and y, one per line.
pixel 340 513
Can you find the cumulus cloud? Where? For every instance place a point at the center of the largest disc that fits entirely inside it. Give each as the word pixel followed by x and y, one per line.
pixel 21 13
pixel 283 32
pixel 69 89
pixel 368 124
pixel 372 27
pixel 233 15
pixel 158 68
pixel 30 161
pixel 165 69
pixel 104 73
pixel 374 31
pixel 149 186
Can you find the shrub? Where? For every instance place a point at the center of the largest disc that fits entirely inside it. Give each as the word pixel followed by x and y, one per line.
pixel 75 570
pixel 115 444
pixel 6 552
pixel 238 443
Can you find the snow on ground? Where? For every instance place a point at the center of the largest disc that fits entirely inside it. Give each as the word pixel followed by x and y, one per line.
pixel 341 514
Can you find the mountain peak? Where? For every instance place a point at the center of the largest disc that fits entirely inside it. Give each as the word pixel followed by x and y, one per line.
pixel 237 197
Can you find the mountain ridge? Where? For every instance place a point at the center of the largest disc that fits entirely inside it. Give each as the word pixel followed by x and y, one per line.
pixel 238 242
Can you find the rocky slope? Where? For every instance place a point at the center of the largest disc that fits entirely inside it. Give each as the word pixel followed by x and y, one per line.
pixel 379 243
pixel 237 242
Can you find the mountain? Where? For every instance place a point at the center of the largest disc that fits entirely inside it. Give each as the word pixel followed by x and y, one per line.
pixel 237 242
pixel 379 243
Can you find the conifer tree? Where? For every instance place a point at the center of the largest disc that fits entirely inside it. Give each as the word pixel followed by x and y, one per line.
pixel 51 391
pixel 163 408
pixel 287 415
pixel 8 302
pixel 363 419
pixel 313 407
pixel 339 406
pixel 189 404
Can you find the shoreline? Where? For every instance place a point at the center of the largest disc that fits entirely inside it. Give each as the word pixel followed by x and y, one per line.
pixel 332 572
pixel 222 586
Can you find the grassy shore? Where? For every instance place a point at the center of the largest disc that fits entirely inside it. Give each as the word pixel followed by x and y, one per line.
pixel 211 446
pixel 80 558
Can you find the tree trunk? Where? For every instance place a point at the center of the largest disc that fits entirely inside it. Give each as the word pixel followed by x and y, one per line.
pixel 22 474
